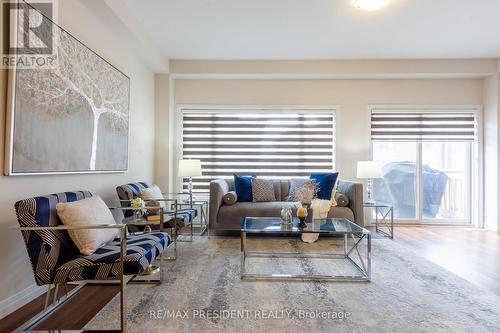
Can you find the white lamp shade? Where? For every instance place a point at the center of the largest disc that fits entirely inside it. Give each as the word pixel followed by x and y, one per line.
pixel 189 168
pixel 369 169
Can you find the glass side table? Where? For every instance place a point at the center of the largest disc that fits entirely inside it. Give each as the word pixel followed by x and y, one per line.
pixel 202 206
pixel 142 221
pixel 384 218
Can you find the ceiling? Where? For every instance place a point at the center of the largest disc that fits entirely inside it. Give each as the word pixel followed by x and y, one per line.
pixel 319 29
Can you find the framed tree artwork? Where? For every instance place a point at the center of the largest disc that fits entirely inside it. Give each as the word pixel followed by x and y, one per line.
pixel 69 117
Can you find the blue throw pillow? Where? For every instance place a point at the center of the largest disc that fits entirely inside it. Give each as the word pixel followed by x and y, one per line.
pixel 243 188
pixel 325 182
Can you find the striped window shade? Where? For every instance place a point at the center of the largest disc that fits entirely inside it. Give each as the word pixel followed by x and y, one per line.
pixel 423 126
pixel 269 144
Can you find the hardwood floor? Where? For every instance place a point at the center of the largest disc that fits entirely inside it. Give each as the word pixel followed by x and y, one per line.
pixel 77 312
pixel 470 253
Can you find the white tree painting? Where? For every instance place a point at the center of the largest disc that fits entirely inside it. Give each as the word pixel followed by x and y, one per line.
pixel 72 117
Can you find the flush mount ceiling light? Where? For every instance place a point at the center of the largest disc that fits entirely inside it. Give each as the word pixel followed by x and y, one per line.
pixel 370 4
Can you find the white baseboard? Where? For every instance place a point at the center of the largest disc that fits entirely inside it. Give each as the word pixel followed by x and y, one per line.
pixel 16 301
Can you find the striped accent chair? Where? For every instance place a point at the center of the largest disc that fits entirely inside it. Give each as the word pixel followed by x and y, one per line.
pixel 56 260
pixel 129 191
pixel 54 257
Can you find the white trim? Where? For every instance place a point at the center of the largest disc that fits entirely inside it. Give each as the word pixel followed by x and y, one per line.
pixel 312 76
pixel 263 108
pixel 476 209
pixel 14 302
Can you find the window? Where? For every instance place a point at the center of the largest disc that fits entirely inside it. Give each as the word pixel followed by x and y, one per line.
pixel 428 163
pixel 267 143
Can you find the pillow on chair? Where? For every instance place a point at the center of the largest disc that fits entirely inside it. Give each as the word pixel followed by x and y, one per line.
pixel 152 193
pixel 87 212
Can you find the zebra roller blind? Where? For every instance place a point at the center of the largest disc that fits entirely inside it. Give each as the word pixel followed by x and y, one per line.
pixel 265 143
pixel 423 126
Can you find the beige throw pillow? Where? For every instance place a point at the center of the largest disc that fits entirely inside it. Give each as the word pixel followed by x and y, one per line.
pixel 87 212
pixel 151 194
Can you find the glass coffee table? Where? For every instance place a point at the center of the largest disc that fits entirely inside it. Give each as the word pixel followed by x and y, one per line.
pixel 330 226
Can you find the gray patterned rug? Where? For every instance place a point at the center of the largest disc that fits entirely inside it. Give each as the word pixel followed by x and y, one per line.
pixel 203 292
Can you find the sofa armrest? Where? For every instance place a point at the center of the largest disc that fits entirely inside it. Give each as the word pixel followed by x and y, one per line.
pixel 354 192
pixel 218 188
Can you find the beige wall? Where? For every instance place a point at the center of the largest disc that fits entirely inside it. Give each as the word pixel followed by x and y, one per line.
pixel 491 89
pixel 16 277
pixel 162 149
pixel 352 97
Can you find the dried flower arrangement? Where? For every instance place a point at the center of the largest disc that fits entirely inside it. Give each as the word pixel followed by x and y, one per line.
pixel 306 193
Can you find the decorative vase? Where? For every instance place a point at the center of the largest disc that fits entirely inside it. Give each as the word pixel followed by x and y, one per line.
pixel 138 215
pixel 286 216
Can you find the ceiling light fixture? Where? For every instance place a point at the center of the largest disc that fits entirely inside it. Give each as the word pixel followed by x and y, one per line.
pixel 370 4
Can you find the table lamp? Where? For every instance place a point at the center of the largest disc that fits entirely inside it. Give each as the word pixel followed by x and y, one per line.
pixel 369 170
pixel 190 168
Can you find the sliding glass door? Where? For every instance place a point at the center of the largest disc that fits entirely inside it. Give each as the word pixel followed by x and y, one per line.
pixel 426 182
pixel 429 161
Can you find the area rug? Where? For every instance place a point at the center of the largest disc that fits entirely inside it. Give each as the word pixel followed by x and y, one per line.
pixel 203 292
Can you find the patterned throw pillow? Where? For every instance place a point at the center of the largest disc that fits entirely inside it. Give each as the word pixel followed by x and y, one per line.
pixel 303 186
pixel 262 190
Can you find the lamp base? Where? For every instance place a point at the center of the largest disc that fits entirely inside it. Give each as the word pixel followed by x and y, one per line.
pixel 369 192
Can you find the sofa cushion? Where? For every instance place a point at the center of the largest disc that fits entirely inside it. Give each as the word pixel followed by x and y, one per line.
pixel 341 199
pixel 240 210
pixel 303 190
pixel 243 188
pixel 263 190
pixel 230 198
pixel 230 214
pixel 341 212
pixel 326 183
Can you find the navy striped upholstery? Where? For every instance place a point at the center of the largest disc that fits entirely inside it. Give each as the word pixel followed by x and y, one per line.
pixel 46 249
pixel 186 215
pixel 53 254
pixel 104 262
pixel 129 191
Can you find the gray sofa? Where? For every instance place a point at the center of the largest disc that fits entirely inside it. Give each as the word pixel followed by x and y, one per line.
pixel 224 217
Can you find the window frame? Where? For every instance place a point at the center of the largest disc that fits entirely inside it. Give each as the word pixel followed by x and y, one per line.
pixel 182 108
pixel 475 210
